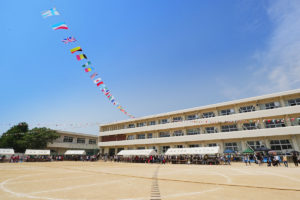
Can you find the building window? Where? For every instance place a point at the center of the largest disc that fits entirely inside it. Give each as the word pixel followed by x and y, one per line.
pixel 149 135
pixel 212 145
pixel 193 145
pixel 178 133
pixel 210 130
pixel 255 144
pixel 294 102
pixel 81 140
pixel 246 109
pixel 164 134
pixel 131 125
pixel 92 141
pixel 141 124
pixel 141 136
pixel 249 126
pixel 295 121
pixel 232 146
pixel 177 119
pixel 141 148
pixel 279 145
pixel 191 117
pixel 193 131
pixel 272 105
pixel 152 123
pixel 164 121
pixel 130 137
pixel 275 123
pixel 208 114
pixel 179 146
pixel 229 128
pixel 165 148
pixel 68 139
pixel 227 112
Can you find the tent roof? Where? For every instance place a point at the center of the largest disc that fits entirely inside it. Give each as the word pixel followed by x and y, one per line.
pixel 137 152
pixel 75 152
pixel 7 151
pixel 193 151
pixel 248 150
pixel 37 152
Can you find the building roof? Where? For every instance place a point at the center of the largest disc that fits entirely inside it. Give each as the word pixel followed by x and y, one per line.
pixel 77 134
pixel 228 103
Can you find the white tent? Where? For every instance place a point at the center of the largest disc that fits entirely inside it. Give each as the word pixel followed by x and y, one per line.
pixel 37 152
pixel 75 152
pixel 7 152
pixel 193 151
pixel 138 152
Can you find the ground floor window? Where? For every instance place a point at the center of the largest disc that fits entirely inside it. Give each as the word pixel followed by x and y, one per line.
pixel 279 145
pixel 255 144
pixel 232 146
pixel 179 146
pixel 141 148
pixel 193 145
pixel 212 145
pixel 165 148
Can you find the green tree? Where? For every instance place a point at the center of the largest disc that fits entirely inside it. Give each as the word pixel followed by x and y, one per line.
pixel 19 137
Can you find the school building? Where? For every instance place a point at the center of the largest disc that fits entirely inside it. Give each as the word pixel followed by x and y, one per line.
pixel 271 121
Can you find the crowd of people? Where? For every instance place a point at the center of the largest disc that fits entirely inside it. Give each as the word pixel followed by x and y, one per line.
pixel 46 158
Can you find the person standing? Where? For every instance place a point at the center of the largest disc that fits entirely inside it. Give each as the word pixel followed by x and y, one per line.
pixel 295 159
pixel 284 159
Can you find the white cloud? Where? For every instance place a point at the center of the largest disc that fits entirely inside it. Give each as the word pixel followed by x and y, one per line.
pixel 277 67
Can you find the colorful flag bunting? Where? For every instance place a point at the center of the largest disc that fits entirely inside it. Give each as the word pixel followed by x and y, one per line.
pixel 81 56
pixel 76 49
pixel 69 39
pixel 86 64
pixel 98 84
pixel 50 12
pixel 60 25
pixel 88 69
pixel 97 80
pixel 94 75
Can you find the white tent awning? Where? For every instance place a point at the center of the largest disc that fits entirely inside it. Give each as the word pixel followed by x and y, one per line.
pixel 137 152
pixel 7 151
pixel 193 151
pixel 37 152
pixel 75 152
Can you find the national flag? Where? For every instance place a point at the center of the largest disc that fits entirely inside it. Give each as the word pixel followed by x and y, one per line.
pixel 97 80
pixel 86 64
pixel 94 75
pixel 98 84
pixel 50 12
pixel 88 69
pixel 76 49
pixel 81 56
pixel 60 25
pixel 69 39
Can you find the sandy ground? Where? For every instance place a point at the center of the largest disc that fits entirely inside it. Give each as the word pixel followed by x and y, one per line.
pixel 124 181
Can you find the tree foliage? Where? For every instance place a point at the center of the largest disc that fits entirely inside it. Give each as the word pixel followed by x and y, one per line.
pixel 19 137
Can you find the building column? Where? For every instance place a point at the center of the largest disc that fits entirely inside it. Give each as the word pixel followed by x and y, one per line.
pixel 295 143
pixel 267 143
pixel 221 145
pixel 244 145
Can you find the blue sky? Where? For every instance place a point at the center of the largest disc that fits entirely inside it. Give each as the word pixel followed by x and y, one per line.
pixel 155 56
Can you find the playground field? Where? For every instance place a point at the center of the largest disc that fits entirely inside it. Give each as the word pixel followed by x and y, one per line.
pixel 126 181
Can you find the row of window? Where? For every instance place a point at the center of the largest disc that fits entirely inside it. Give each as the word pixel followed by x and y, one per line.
pixel 276 145
pixel 69 139
pixel 275 123
pixel 242 109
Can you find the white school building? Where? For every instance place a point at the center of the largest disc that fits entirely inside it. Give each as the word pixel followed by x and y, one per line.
pixel 272 121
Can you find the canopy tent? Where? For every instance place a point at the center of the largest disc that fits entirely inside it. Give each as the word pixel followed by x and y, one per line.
pixel 138 152
pixel 7 151
pixel 228 151
pixel 37 152
pixel 248 151
pixel 75 152
pixel 193 151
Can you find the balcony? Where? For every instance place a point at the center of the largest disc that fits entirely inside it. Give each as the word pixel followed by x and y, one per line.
pixel 282 131
pixel 271 113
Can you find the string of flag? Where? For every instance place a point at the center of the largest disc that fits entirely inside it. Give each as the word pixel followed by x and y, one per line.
pixel 87 66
